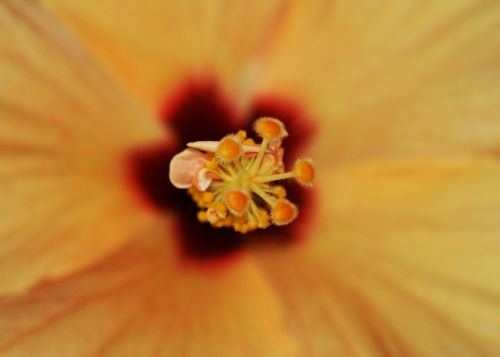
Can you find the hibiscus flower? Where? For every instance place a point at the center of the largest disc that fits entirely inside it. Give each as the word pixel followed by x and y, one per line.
pixel 394 251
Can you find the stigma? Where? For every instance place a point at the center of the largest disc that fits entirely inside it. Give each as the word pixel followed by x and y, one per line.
pixel 235 181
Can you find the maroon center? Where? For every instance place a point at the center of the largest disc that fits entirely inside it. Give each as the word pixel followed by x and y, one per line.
pixel 199 112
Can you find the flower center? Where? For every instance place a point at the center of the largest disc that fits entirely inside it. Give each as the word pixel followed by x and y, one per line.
pixel 199 110
pixel 235 181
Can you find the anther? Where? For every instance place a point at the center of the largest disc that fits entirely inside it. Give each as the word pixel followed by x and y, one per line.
pixel 208 197
pixel 284 212
pixel 280 191
pixel 242 135
pixel 237 201
pixel 202 216
pixel 304 171
pixel 270 128
pixel 229 149
pixel 220 209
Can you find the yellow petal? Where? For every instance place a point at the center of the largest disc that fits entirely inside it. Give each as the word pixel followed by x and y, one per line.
pixel 153 45
pixel 142 302
pixel 392 78
pixel 403 261
pixel 64 131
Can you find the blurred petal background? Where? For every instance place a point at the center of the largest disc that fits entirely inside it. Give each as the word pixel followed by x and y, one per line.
pixel 397 253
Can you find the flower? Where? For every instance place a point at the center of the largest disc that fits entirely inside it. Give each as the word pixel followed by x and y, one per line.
pixel 399 248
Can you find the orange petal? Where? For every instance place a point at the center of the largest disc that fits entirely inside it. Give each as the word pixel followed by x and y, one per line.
pixel 404 260
pixel 152 46
pixel 64 129
pixel 432 86
pixel 142 302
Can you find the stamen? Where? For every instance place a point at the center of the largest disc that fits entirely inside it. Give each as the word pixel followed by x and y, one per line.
pixel 277 177
pixel 238 187
pixel 284 212
pixel 202 216
pixel 262 194
pixel 237 202
pixel 280 191
pixel 208 197
pixel 270 128
pixel 304 171
pixel 256 164
pixel 229 149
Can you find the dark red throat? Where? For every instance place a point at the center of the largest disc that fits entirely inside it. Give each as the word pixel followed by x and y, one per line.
pixel 199 112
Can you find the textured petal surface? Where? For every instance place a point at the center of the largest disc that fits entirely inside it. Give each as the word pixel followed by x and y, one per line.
pixel 63 131
pixel 404 262
pixel 392 77
pixel 142 302
pixel 152 45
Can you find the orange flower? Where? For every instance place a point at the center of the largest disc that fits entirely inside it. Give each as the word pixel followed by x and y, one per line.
pixel 396 252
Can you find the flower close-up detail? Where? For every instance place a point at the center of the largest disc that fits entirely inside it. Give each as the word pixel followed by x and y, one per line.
pixel 233 180
pixel 249 178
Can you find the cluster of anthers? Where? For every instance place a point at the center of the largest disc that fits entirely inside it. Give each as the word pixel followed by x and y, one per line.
pixel 233 181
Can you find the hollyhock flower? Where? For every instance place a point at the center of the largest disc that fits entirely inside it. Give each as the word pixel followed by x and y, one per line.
pixel 394 251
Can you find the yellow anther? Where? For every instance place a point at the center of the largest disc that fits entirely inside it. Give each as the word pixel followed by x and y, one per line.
pixel 304 171
pixel 202 216
pixel 249 142
pixel 197 196
pixel 264 219
pixel 208 197
pixel 284 212
pixel 265 224
pixel 229 149
pixel 280 191
pixel 242 135
pixel 237 201
pixel 270 128
pixel 220 209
